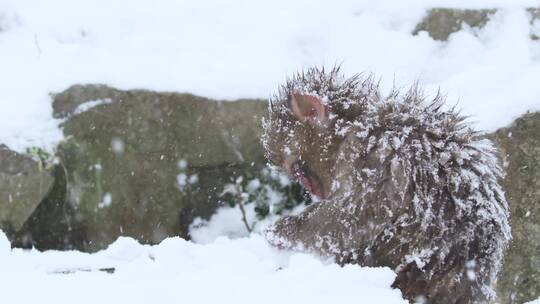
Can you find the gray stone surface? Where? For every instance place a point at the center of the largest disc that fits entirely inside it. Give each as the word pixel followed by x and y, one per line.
pixel 125 152
pixel 519 145
pixel 24 183
pixel 53 223
pixel 440 23
pixel 534 13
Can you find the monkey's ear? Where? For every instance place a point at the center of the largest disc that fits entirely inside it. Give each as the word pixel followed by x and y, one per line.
pixel 306 107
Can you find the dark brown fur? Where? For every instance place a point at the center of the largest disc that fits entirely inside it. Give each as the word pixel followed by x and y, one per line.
pixel 406 185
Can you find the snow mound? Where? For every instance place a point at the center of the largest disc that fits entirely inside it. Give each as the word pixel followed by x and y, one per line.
pixel 245 270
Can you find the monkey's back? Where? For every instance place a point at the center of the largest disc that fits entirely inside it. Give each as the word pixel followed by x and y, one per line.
pixel 434 184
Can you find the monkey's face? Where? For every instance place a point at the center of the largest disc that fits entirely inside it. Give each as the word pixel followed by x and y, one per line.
pixel 300 139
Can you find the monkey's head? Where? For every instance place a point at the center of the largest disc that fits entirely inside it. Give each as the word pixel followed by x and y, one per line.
pixel 307 123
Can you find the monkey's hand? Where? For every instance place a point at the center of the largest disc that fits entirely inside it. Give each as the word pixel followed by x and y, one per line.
pixel 282 233
pixel 316 230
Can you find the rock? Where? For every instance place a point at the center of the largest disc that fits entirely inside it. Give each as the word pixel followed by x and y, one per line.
pixel 205 132
pixel 535 17
pixel 440 23
pixel 534 12
pixel 24 183
pixel 53 224
pixel 144 164
pixel 519 145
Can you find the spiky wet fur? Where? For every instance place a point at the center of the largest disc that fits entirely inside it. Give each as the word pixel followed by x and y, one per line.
pixel 414 188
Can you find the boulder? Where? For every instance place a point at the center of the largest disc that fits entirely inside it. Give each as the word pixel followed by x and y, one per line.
pixel 24 183
pixel 519 145
pixel 144 164
pixel 440 23
pixel 53 224
pixel 535 18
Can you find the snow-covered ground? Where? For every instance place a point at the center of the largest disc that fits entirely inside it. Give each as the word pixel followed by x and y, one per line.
pixel 244 270
pixel 231 49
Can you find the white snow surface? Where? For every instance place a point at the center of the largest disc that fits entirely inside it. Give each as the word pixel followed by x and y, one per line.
pixel 231 49
pixel 245 270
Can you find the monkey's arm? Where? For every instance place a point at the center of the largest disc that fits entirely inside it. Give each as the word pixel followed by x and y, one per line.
pixel 324 228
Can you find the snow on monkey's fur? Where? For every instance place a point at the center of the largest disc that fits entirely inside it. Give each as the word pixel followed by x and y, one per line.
pixel 403 184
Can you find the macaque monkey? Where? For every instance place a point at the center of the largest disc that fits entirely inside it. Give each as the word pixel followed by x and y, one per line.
pixel 402 183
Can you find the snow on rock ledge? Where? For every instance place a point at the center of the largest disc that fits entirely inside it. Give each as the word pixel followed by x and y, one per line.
pixel 245 270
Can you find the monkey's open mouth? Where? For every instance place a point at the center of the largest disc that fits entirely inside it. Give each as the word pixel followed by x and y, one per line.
pixel 309 180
